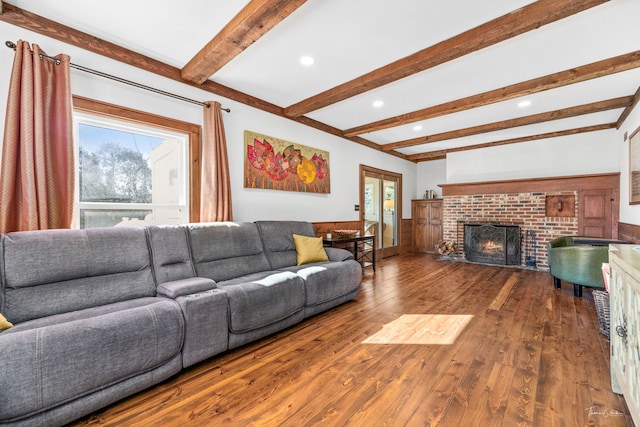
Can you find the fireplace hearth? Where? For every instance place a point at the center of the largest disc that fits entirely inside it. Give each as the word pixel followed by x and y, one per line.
pixel 492 243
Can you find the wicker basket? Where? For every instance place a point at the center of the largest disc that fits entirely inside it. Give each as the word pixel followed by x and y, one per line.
pixel 345 234
pixel 601 300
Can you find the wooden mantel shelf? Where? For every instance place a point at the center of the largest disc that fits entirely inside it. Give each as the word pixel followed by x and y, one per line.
pixel 558 183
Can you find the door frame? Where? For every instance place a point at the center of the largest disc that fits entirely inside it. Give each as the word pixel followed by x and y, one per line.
pixel 390 176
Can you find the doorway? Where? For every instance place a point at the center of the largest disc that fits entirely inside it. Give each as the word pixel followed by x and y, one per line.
pixel 381 208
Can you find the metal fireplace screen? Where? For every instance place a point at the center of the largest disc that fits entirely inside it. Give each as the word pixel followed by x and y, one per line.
pixel 492 244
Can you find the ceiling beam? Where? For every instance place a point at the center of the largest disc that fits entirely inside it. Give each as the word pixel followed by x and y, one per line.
pixel 520 21
pixel 30 21
pixel 256 19
pixel 564 113
pixel 627 111
pixel 21 18
pixel 439 154
pixel 552 81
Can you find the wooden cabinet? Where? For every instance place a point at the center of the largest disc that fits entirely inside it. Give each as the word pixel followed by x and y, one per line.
pixel 427 224
pixel 624 301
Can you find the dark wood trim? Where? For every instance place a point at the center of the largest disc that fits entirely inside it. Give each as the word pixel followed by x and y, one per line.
pixel 552 81
pixel 406 238
pixel 629 232
pixel 21 18
pixel 324 227
pixel 248 26
pixel 564 113
pixel 519 21
pixel 629 109
pixel 558 183
pixel 118 112
pixel 440 154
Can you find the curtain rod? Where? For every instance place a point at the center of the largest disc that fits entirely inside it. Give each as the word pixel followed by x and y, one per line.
pixel 12 45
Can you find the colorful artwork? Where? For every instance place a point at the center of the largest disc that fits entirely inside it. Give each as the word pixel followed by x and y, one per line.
pixel 274 164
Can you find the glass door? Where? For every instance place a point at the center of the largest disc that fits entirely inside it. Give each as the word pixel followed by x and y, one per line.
pixel 380 194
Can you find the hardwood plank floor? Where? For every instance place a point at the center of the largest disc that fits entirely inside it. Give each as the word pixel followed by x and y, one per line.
pixel 531 355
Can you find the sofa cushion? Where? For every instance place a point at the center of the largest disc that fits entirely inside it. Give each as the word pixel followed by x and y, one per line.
pixel 48 272
pixel 170 253
pixel 262 298
pixel 309 249
pixel 277 238
pixel 224 250
pixel 326 281
pixel 50 361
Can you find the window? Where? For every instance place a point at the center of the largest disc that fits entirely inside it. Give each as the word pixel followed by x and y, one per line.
pixel 132 172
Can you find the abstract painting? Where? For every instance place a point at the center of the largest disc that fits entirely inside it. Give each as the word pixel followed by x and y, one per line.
pixel 275 164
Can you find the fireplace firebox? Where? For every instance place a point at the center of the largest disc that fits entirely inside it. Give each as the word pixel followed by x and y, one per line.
pixel 492 243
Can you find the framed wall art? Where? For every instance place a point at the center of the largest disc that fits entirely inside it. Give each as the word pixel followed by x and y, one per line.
pixel 634 168
pixel 275 164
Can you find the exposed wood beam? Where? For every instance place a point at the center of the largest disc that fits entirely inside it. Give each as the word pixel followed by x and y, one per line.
pixel 439 154
pixel 38 24
pixel 564 113
pixel 552 81
pixel 30 21
pixel 520 21
pixel 252 22
pixel 627 111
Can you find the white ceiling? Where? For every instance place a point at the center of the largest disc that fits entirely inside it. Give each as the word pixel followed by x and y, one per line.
pixel 351 38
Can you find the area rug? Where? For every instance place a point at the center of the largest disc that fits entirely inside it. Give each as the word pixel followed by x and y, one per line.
pixel 434 329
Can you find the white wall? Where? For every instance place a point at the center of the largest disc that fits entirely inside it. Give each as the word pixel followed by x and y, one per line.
pixel 598 152
pixel 430 175
pixel 586 153
pixel 248 204
pixel 628 213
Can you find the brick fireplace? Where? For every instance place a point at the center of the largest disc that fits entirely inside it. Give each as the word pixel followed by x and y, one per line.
pixel 526 210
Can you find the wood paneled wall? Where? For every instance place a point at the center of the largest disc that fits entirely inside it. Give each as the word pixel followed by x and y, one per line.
pixel 322 228
pixel 629 232
pixel 406 236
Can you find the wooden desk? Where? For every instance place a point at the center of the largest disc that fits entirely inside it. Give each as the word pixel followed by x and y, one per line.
pixel 362 248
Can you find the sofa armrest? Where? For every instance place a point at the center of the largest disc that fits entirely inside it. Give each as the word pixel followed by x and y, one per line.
pixel 182 287
pixel 338 254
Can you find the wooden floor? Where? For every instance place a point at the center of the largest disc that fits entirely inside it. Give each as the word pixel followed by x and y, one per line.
pixel 531 355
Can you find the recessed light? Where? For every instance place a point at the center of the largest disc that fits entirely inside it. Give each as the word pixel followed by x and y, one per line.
pixel 417 127
pixel 378 103
pixel 307 60
pixel 524 104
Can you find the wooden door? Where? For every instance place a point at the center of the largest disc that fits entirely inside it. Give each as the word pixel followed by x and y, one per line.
pixel 598 213
pixel 427 223
pixel 421 225
pixel 435 225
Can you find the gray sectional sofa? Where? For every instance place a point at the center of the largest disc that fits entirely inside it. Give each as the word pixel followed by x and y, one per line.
pixel 101 314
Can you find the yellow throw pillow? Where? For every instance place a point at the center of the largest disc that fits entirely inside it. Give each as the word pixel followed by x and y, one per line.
pixel 4 323
pixel 309 249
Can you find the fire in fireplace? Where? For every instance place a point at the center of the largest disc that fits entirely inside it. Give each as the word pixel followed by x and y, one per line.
pixel 492 243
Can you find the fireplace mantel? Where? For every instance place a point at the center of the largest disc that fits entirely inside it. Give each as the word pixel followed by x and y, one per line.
pixel 558 183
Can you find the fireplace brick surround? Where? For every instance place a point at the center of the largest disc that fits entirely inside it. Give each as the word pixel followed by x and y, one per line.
pixel 526 210
pixel 524 202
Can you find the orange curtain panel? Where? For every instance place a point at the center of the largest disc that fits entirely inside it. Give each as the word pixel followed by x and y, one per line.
pixel 37 173
pixel 215 201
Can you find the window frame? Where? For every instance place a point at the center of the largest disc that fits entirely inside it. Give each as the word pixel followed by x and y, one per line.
pixel 192 131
